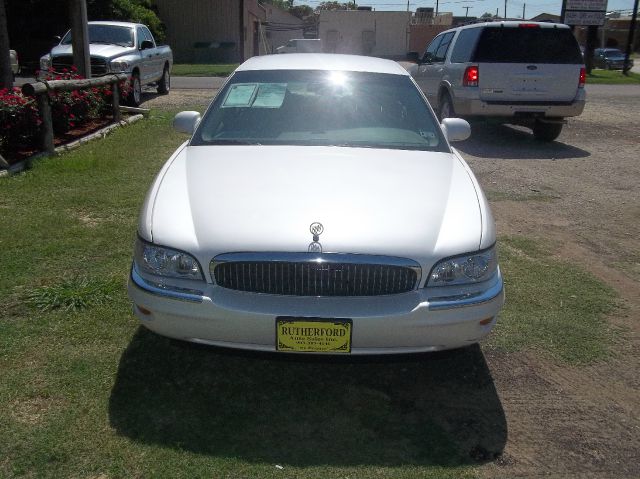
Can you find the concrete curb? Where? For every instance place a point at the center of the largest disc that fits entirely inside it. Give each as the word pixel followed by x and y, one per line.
pixel 26 163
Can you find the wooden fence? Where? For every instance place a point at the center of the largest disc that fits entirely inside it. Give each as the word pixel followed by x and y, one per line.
pixel 41 91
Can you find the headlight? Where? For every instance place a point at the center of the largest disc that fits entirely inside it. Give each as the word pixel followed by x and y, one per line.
pixel 167 262
pixel 465 269
pixel 45 62
pixel 119 66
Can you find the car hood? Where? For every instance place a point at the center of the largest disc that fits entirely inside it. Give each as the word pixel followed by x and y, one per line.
pixel 219 199
pixel 95 49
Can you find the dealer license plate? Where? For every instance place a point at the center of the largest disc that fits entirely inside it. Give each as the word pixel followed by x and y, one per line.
pixel 313 335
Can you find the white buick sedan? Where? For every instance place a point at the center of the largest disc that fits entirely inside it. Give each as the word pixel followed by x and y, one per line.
pixel 318 208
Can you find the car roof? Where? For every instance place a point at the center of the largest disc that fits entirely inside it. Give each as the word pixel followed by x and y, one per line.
pixel 323 61
pixel 115 24
pixel 514 23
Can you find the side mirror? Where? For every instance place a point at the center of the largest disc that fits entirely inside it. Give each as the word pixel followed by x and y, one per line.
pixel 456 129
pixel 413 57
pixel 146 44
pixel 186 121
pixel 427 58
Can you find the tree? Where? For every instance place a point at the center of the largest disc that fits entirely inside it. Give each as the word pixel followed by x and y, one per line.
pixel 281 4
pixel 301 11
pixel 138 11
pixel 6 77
pixel 486 15
pixel 334 5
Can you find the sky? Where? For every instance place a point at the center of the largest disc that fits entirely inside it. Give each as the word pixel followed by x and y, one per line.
pixel 478 7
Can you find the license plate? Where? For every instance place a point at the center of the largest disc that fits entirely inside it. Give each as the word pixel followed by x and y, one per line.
pixel 313 335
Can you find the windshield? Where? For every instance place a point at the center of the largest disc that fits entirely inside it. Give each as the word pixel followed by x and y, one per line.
pixel 326 108
pixel 109 34
pixel 613 53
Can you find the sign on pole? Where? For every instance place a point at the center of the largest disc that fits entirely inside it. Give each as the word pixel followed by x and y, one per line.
pixel 591 5
pixel 585 12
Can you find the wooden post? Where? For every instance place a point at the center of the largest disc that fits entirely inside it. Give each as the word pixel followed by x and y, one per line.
pixel 80 37
pixel 117 116
pixel 630 38
pixel 6 75
pixel 47 123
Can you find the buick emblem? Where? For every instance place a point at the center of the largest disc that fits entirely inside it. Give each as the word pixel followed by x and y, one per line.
pixel 316 229
pixel 315 247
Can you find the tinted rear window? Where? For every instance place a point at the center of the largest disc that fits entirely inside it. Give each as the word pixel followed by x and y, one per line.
pixel 527 45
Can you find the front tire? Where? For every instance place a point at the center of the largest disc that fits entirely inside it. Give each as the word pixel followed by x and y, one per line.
pixel 135 97
pixel 546 131
pixel 445 107
pixel 164 85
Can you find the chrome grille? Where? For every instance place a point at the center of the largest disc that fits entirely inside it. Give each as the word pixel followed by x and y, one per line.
pixel 98 65
pixel 305 274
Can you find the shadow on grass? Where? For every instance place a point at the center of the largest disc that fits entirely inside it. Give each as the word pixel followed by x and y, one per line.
pixel 498 141
pixel 433 409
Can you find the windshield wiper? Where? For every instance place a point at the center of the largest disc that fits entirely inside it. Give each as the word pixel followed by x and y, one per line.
pixel 233 142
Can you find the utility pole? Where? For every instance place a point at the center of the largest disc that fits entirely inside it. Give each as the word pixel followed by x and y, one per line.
pixel 437 1
pixel 505 9
pixel 497 12
pixel 524 7
pixel 632 30
pixel 466 11
pixel 6 76
pixel 80 37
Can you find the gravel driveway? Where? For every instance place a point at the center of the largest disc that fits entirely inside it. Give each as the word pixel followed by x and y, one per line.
pixel 580 194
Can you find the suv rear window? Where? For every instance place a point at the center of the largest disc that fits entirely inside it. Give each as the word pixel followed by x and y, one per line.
pixel 527 45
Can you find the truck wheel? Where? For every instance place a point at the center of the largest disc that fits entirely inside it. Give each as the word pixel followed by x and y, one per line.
pixel 164 85
pixel 445 107
pixel 135 97
pixel 546 131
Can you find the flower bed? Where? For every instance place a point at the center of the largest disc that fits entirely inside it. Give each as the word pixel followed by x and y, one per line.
pixel 74 113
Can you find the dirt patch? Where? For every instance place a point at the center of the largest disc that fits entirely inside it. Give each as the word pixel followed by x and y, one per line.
pixel 572 421
pixel 30 411
pixel 178 99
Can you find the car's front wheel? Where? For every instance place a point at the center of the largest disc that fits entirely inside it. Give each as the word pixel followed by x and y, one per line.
pixel 135 96
pixel 544 131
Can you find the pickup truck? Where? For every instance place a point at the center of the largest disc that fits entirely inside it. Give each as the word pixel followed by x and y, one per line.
pixel 119 47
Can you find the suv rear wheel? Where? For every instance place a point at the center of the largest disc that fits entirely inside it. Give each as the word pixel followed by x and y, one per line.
pixel 445 107
pixel 544 131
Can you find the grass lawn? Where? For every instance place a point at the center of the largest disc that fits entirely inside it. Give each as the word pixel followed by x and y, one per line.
pixel 612 77
pixel 203 70
pixel 86 392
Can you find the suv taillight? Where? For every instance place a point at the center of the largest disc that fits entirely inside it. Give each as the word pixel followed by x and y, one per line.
pixel 583 77
pixel 471 76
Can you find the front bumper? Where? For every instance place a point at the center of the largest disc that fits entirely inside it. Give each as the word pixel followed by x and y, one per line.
pixel 417 321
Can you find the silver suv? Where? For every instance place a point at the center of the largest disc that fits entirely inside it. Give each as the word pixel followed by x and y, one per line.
pixel 524 73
